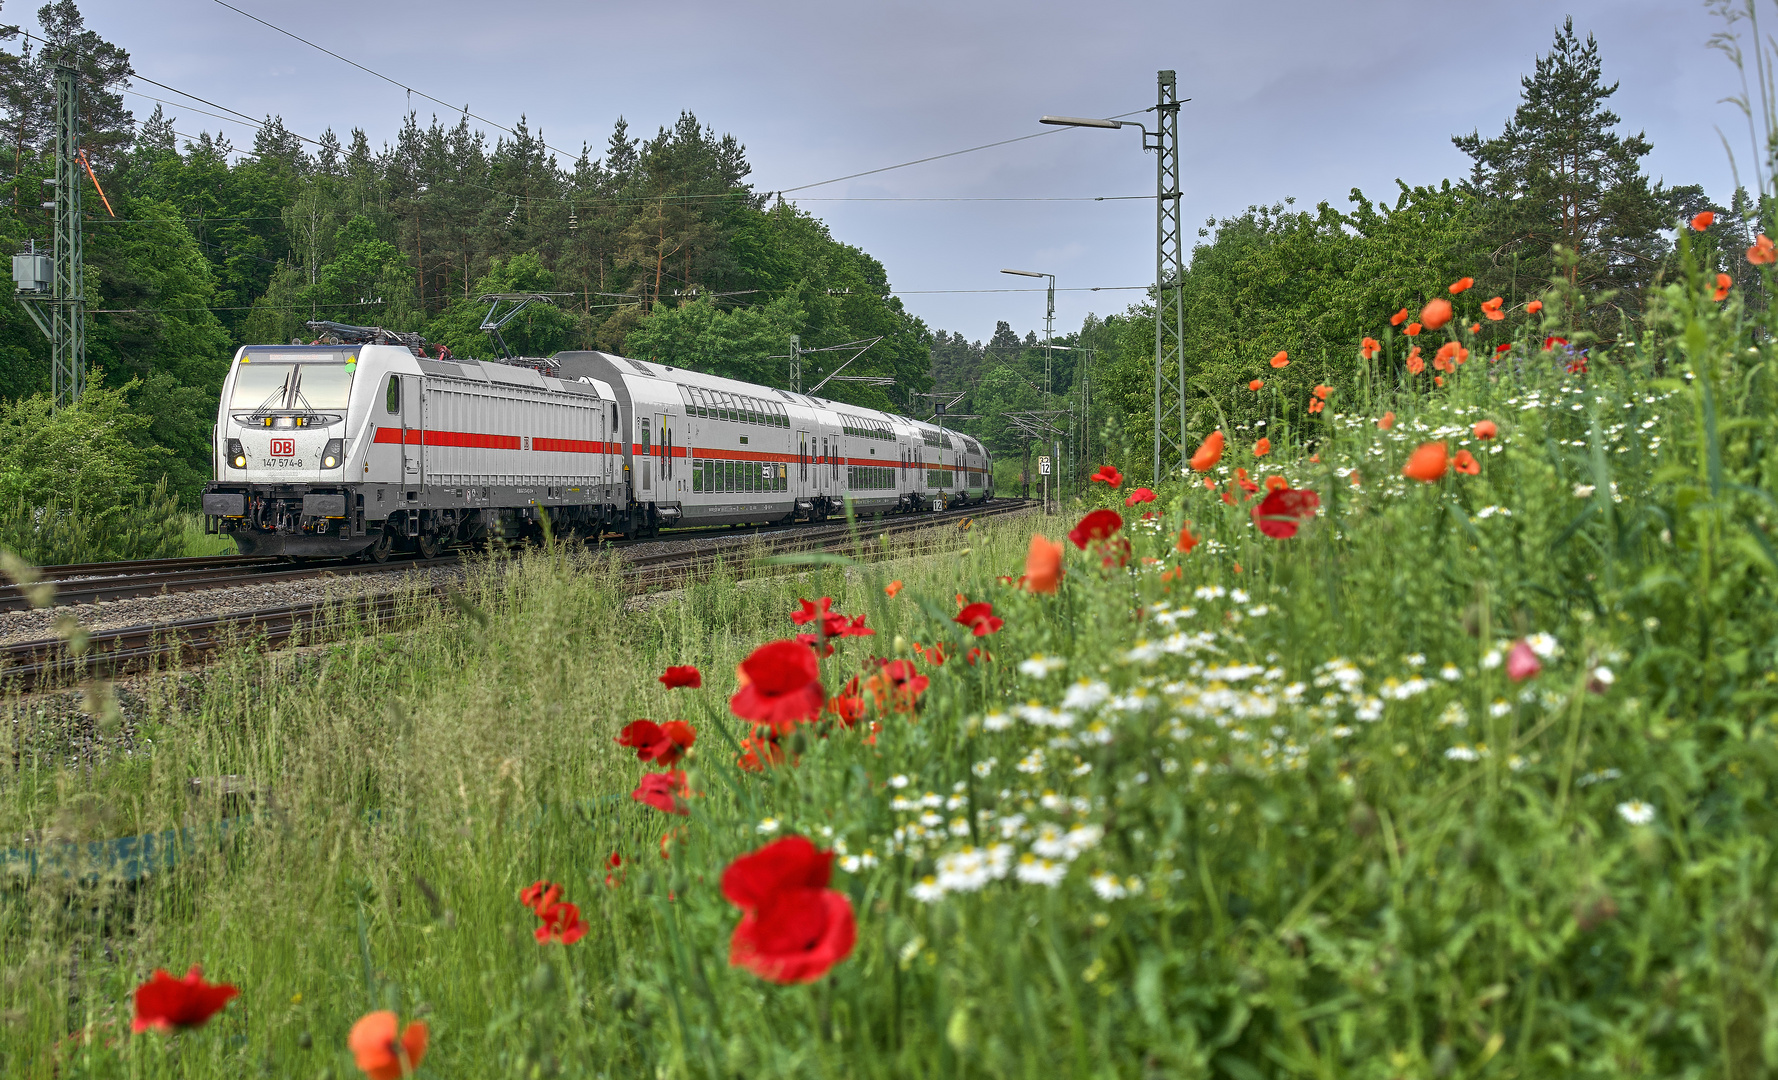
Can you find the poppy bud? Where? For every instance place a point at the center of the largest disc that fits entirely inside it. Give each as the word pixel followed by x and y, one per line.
pixel 305 1041
pixel 543 980
pixel 1362 819
pixel 799 743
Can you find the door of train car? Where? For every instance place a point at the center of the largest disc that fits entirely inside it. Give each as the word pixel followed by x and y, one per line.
pixel 664 442
pixel 645 457
pixel 413 424
pixel 800 480
pixel 394 456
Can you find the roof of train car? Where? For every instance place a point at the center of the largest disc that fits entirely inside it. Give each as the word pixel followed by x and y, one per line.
pixel 705 381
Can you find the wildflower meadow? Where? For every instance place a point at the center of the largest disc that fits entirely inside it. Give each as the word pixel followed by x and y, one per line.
pixel 1420 729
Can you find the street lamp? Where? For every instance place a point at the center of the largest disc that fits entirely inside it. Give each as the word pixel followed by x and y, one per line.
pixel 1169 256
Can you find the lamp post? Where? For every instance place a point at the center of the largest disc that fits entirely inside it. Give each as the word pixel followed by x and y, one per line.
pixel 1169 260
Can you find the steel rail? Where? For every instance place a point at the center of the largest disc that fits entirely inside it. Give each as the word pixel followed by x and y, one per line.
pixel 37 664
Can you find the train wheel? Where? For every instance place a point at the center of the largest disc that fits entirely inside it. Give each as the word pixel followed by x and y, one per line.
pixel 380 551
pixel 429 546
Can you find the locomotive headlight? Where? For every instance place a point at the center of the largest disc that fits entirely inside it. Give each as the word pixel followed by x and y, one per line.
pixel 330 454
pixel 237 454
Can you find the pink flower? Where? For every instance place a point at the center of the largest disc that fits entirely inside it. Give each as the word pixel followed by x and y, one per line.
pixel 1521 662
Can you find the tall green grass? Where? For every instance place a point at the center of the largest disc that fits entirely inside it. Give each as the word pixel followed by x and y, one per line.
pixel 1302 821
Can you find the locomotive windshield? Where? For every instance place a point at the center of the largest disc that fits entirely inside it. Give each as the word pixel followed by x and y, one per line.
pixel 322 381
pixel 322 386
pixel 261 386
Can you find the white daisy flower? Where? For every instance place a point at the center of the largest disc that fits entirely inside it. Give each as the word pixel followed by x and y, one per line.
pixel 927 890
pixel 1636 812
pixel 1035 871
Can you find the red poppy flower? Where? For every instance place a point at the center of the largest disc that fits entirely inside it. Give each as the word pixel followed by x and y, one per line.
pixel 1427 464
pixel 1505 346
pixel 1762 252
pixel 1415 363
pixel 540 895
pixel 1262 447
pixel 817 642
pixel 934 656
pixel 1386 421
pixel 662 743
pixel 1321 391
pixel 1280 359
pixel 1723 281
pixel 614 866
pixel 1140 495
pixel 1369 347
pixel 685 675
pixel 1466 463
pixel 1108 474
pixel 848 709
pixel 1459 286
pixel 1534 307
pixel 1522 662
pixel 561 925
pixel 1279 514
pixel 1256 384
pixel 1399 317
pixel 379 1053
pixel 1552 341
pixel 1438 380
pixel 975 654
pixel 892 589
pixel 809 612
pixel 1043 565
pixel 1491 308
pixel 980 619
pixel 1436 313
pixel 1703 221
pixel 1485 429
pixel 665 791
pixel 898 684
pixel 780 686
pixel 1316 405
pixel 1452 353
pixel 1186 541
pixel 1354 477
pixel 757 753
pixel 171 1004
pixel 1209 452
pixel 1412 329
pixel 1097 525
pixel 793 928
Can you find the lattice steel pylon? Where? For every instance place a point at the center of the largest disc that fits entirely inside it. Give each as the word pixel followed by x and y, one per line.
pixel 1169 274
pixel 65 297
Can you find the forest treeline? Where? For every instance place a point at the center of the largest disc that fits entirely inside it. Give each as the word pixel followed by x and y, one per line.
pixel 662 249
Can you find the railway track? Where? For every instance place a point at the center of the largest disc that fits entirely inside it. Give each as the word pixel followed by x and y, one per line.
pixel 91 583
pixel 30 665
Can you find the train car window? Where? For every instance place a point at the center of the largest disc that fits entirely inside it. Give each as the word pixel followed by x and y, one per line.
pixel 392 396
pixel 697 476
pixel 261 386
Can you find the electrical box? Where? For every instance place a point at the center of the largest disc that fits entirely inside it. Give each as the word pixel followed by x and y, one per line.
pixel 32 272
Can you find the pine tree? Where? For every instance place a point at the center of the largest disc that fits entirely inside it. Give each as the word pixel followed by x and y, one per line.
pixel 1563 192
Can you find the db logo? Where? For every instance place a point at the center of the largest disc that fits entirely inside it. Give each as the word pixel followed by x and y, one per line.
pixel 283 447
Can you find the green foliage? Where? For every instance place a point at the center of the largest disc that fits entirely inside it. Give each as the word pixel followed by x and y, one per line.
pixel 1298 816
pixel 538 330
pixel 85 483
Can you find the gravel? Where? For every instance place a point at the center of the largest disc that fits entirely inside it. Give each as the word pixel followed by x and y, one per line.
pixel 240 599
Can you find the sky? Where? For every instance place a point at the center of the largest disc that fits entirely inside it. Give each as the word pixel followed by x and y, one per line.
pixel 1303 99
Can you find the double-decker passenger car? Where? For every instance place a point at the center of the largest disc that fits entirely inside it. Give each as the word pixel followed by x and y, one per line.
pixel 376 447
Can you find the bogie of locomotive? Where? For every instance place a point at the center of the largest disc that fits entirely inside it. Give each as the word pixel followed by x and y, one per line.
pixel 336 450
